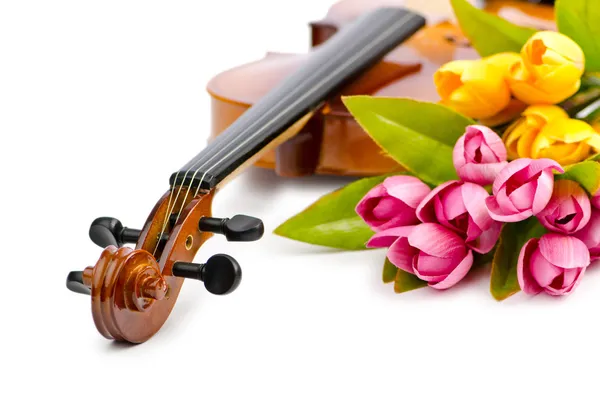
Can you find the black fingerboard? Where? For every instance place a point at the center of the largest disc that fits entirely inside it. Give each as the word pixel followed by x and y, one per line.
pixel 329 67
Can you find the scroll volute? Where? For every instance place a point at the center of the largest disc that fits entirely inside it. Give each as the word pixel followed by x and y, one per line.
pixel 133 293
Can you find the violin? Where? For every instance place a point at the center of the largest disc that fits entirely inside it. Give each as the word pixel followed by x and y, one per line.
pixel 133 290
pixel 331 142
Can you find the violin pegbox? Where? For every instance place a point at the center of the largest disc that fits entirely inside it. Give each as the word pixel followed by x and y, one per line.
pixel 134 290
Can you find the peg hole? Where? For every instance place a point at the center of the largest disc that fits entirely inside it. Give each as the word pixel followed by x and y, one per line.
pixel 189 242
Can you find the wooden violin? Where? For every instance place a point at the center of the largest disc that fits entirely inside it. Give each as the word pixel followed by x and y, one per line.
pixel 133 290
pixel 331 142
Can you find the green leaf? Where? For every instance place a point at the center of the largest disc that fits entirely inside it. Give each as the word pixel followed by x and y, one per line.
pixel 389 271
pixel 332 221
pixel 488 33
pixel 595 157
pixel 504 281
pixel 405 281
pixel 418 135
pixel 586 173
pixel 579 19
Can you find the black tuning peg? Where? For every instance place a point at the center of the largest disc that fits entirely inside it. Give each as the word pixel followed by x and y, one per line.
pixel 75 283
pixel 109 231
pixel 238 228
pixel 221 273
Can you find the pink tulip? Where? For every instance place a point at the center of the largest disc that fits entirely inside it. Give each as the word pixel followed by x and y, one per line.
pixel 460 206
pixel 523 188
pixel 430 251
pixel 596 200
pixel 479 155
pixel 590 235
pixel 392 203
pixel 553 264
pixel 568 209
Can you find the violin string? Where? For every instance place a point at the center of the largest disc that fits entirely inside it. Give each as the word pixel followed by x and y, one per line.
pixel 349 61
pixel 202 159
pixel 167 213
pixel 333 60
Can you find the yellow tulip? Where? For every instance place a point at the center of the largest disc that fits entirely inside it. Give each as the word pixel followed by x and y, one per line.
pixel 519 137
pixel 567 141
pixel 550 69
pixel 474 88
pixel 504 61
pixel 547 132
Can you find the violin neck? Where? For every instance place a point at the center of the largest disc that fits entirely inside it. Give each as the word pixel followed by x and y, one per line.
pixel 271 120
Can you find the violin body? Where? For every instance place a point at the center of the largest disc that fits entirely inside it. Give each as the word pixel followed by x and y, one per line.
pixel 331 142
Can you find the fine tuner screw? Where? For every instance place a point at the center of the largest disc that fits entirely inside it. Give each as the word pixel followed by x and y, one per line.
pixel 238 228
pixel 221 274
pixel 109 231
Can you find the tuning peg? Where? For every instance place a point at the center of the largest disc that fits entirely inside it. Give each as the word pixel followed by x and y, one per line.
pixel 238 228
pixel 109 231
pixel 75 283
pixel 221 273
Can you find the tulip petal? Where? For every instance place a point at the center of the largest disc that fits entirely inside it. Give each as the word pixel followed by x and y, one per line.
pixel 523 196
pixel 426 210
pixel 543 271
pixel 526 281
pixel 497 213
pixel 473 197
pixel 458 153
pixel 492 140
pixel 387 237
pixel 432 268
pixel 508 171
pixel 401 254
pixel 487 239
pixel 482 174
pixel 571 279
pixel 543 193
pixel 459 272
pixel 436 240
pixel 409 189
pixel 590 234
pixel 566 252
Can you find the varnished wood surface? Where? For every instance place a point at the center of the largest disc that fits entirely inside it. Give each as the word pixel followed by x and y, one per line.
pixel 343 147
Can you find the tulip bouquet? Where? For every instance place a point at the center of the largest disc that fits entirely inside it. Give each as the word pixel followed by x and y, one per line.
pixel 504 169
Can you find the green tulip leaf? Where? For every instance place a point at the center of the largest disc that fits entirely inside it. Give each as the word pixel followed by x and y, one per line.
pixel 579 19
pixel 488 33
pixel 420 136
pixel 586 173
pixel 504 281
pixel 404 281
pixel 332 221
pixel 389 271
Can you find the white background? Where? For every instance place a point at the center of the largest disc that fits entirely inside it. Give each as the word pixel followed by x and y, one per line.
pixel 99 103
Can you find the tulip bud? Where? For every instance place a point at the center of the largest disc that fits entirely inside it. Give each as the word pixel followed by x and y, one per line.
pixel 567 141
pixel 553 264
pixel 519 137
pixel 568 210
pixel 460 207
pixel 476 89
pixel 430 251
pixel 479 155
pixel 392 203
pixel 522 189
pixel 550 70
